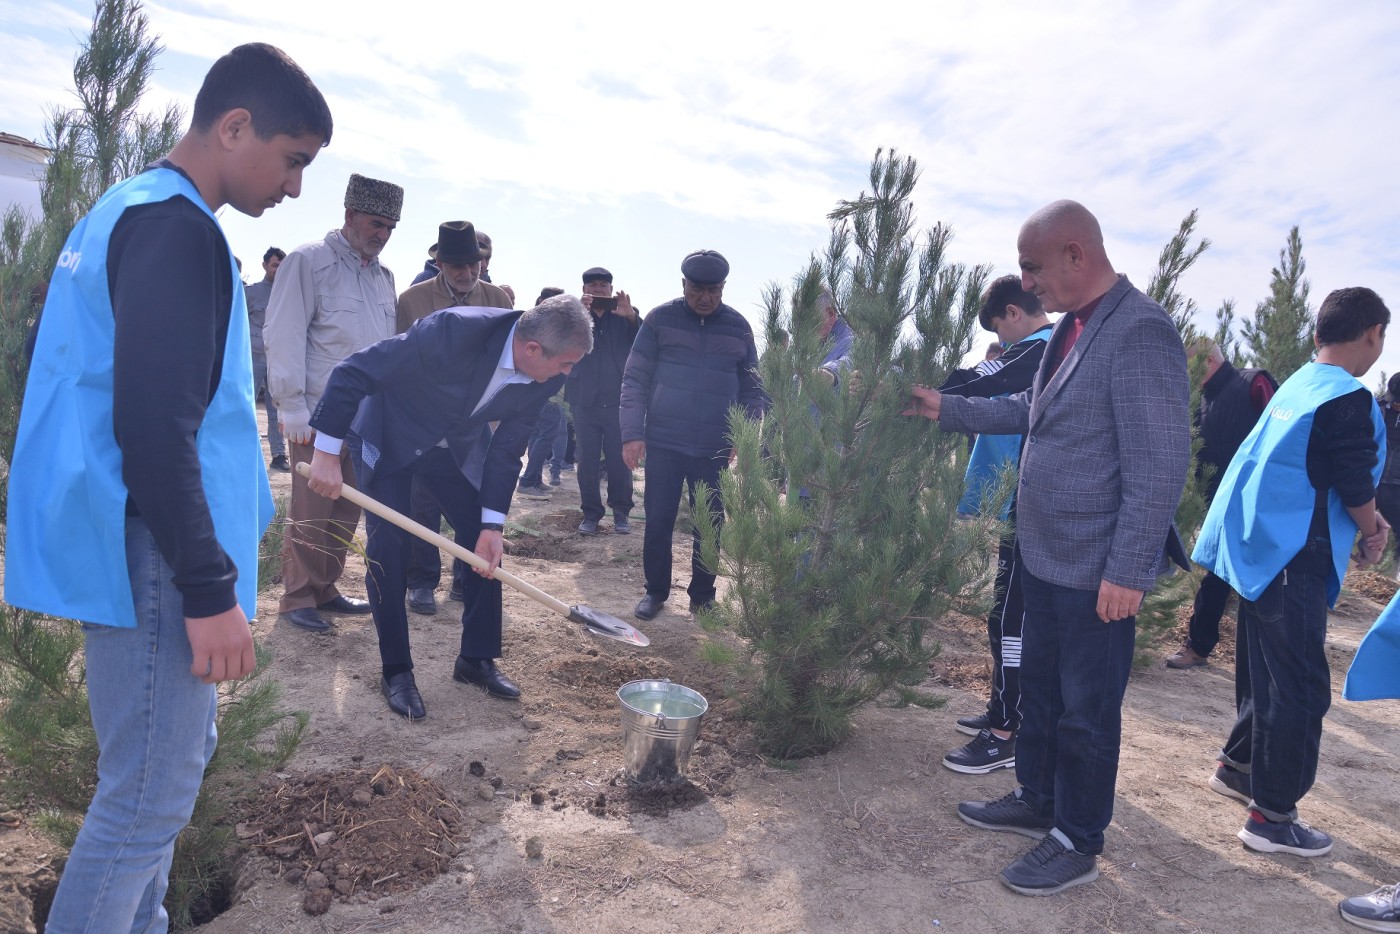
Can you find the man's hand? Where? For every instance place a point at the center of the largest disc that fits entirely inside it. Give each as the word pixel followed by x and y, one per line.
pixel 326 477
pixel 929 403
pixel 825 375
pixel 633 453
pixel 490 546
pixel 295 428
pixel 222 646
pixel 1371 547
pixel 624 307
pixel 1117 602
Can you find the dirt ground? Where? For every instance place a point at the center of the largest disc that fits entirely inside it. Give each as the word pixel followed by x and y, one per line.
pixel 540 835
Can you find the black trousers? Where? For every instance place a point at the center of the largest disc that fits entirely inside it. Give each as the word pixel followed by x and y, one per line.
pixel 1204 627
pixel 1004 637
pixel 600 438
pixel 666 473
pixel 387 557
pixel 425 560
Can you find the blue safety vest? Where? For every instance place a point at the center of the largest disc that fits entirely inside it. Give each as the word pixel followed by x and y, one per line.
pixel 990 454
pixel 66 547
pixel 1261 513
pixel 1375 671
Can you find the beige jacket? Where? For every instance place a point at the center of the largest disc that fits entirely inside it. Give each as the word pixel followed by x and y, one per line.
pixel 325 306
pixel 423 299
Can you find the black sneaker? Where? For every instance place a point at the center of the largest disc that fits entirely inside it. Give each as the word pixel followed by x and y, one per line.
pixel 974 725
pixel 1265 836
pixel 1379 911
pixel 533 491
pixel 986 753
pixel 1008 813
pixel 1049 868
pixel 280 463
pixel 1232 783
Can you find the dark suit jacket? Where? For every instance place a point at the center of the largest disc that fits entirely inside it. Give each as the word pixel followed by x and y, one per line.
pixel 398 398
pixel 1107 449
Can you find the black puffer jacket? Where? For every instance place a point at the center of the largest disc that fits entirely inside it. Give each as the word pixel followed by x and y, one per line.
pixel 682 376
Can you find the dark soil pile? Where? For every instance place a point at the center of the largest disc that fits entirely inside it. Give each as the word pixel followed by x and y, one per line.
pixel 1373 586
pixel 355 832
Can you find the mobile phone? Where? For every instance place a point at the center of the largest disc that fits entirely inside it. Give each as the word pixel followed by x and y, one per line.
pixel 600 303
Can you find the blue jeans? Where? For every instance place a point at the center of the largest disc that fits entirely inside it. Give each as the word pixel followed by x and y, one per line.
pixel 544 443
pixel 1074 670
pixel 155 735
pixel 274 428
pixel 1283 688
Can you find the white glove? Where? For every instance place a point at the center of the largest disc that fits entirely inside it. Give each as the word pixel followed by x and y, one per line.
pixel 296 426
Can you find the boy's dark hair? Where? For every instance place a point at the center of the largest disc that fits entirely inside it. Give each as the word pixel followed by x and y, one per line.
pixel 274 251
pixel 1394 387
pixel 549 291
pixel 1002 292
pixel 1348 313
pixel 263 80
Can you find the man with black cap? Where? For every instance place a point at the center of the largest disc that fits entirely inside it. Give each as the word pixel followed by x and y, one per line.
pixel 593 392
pixel 693 358
pixel 458 283
pixel 331 298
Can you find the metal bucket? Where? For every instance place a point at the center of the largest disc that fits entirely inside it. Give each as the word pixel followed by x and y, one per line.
pixel 660 722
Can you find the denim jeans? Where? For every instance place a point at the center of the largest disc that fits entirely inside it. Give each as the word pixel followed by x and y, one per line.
pixel 1074 670
pixel 155 734
pixel 1283 688
pixel 274 428
pixel 542 444
pixel 666 473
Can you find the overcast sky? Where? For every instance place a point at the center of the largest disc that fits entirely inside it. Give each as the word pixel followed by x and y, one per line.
pixel 628 134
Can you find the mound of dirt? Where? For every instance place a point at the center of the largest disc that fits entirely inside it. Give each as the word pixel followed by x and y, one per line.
pixel 355 832
pixel 1374 586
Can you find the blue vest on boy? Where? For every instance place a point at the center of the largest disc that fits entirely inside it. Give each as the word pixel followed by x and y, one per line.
pixel 66 547
pixel 1375 671
pixel 1261 513
pixel 990 453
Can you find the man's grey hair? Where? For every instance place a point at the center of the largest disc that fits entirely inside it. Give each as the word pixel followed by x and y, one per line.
pixel 557 324
pixel 826 300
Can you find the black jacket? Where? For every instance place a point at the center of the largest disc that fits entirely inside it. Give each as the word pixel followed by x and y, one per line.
pixel 1226 417
pixel 399 397
pixel 682 376
pixel 595 382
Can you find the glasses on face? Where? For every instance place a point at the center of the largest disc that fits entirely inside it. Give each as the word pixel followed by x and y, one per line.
pixel 704 289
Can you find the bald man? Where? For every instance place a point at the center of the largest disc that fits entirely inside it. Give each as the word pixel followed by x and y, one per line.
pixel 1108 444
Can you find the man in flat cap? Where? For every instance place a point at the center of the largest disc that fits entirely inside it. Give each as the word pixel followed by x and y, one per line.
pixel 693 358
pixel 593 391
pixel 458 283
pixel 331 298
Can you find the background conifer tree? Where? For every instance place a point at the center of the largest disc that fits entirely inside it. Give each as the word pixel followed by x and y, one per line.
pixel 835 586
pixel 1280 338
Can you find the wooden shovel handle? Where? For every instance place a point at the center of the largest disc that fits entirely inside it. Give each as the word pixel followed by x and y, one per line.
pixel 446 544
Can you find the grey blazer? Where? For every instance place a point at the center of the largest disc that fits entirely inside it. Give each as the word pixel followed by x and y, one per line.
pixel 1108 444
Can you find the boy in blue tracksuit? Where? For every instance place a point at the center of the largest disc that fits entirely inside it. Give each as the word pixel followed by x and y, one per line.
pixel 1279 531
pixel 138 491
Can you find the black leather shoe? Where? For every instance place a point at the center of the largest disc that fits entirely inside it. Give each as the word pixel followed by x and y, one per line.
pixel 421 600
pixel 346 606
pixel 401 691
pixel 307 618
pixel 483 673
pixel 648 607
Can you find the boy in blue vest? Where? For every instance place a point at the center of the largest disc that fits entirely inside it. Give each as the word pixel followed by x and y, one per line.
pixel 138 491
pixel 1279 531
pixel 1020 323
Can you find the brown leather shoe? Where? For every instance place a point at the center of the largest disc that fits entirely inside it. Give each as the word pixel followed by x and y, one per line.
pixel 1186 657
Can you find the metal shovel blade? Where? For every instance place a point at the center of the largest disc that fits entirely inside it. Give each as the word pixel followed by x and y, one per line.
pixel 609 627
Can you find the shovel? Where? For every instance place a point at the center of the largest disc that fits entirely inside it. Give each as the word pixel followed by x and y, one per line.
pixel 600 624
